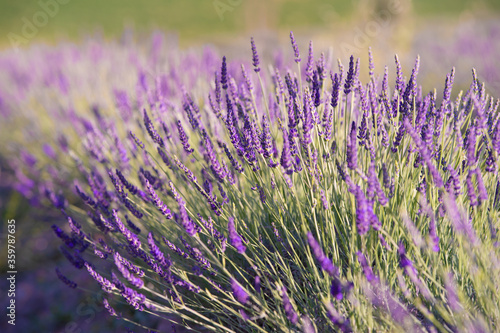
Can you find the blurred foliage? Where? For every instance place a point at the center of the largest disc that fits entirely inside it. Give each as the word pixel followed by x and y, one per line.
pixel 198 19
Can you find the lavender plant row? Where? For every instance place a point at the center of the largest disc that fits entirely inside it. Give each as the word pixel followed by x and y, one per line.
pixel 248 197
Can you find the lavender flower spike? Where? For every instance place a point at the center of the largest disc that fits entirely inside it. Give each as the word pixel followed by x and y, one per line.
pixel 404 261
pixel 349 81
pixel 342 323
pixel 255 56
pixel 483 193
pixel 234 237
pixel 136 140
pixel 295 47
pixel 152 131
pixel 156 252
pixel 157 201
pixel 325 263
pixel 108 307
pixel 106 285
pixel 135 281
pixel 184 138
pixel 223 74
pixel 363 215
pixel 370 276
pixel 64 279
pixel 240 294
pixel 352 151
pixel 289 311
pixel 286 156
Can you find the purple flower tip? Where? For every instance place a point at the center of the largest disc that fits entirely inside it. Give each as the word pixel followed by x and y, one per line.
pixel 239 293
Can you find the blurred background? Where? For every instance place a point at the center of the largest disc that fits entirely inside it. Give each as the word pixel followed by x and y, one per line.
pixel 445 33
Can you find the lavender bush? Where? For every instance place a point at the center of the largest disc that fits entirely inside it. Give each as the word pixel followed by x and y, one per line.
pixel 254 197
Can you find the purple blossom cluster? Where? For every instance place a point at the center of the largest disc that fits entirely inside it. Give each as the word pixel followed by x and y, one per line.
pixel 299 173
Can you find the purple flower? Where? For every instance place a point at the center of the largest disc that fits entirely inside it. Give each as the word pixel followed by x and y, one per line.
pixel 398 138
pixel 255 56
pixel 490 164
pixel 362 213
pixel 236 165
pixel 28 159
pixel 64 279
pixel 156 252
pixel 368 271
pixel 349 81
pixel 49 151
pixel 291 85
pixel 234 237
pixel 100 254
pixel 289 311
pixel 196 254
pixel 404 261
pixel 108 307
pixel 399 75
pixel 192 111
pixel 310 63
pixel 105 247
pixel 106 285
pixel 336 289
pixel 414 233
pixel 362 131
pixel 75 259
pixel 325 263
pixel 352 151
pixel 136 140
pixel 62 235
pixel 447 89
pixel 374 184
pixel 265 138
pixel 130 266
pixel 157 201
pixel 132 226
pixel 286 156
pixel 135 281
pixel 223 74
pixel 424 154
pixel 257 284
pixel 471 145
pixel 152 131
pixel 460 223
pixel 451 293
pixel 174 248
pixel 316 89
pixel 434 238
pixel 295 47
pixel 342 323
pixel 335 90
pixel 239 293
pixel 133 240
pixel 308 117
pixel 324 201
pixel 244 315
pixel 470 190
pixel 184 138
pixel 131 188
pixel 455 180
pixel 483 193
pixel 186 222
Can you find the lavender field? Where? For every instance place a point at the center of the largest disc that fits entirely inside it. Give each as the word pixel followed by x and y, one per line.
pixel 308 182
